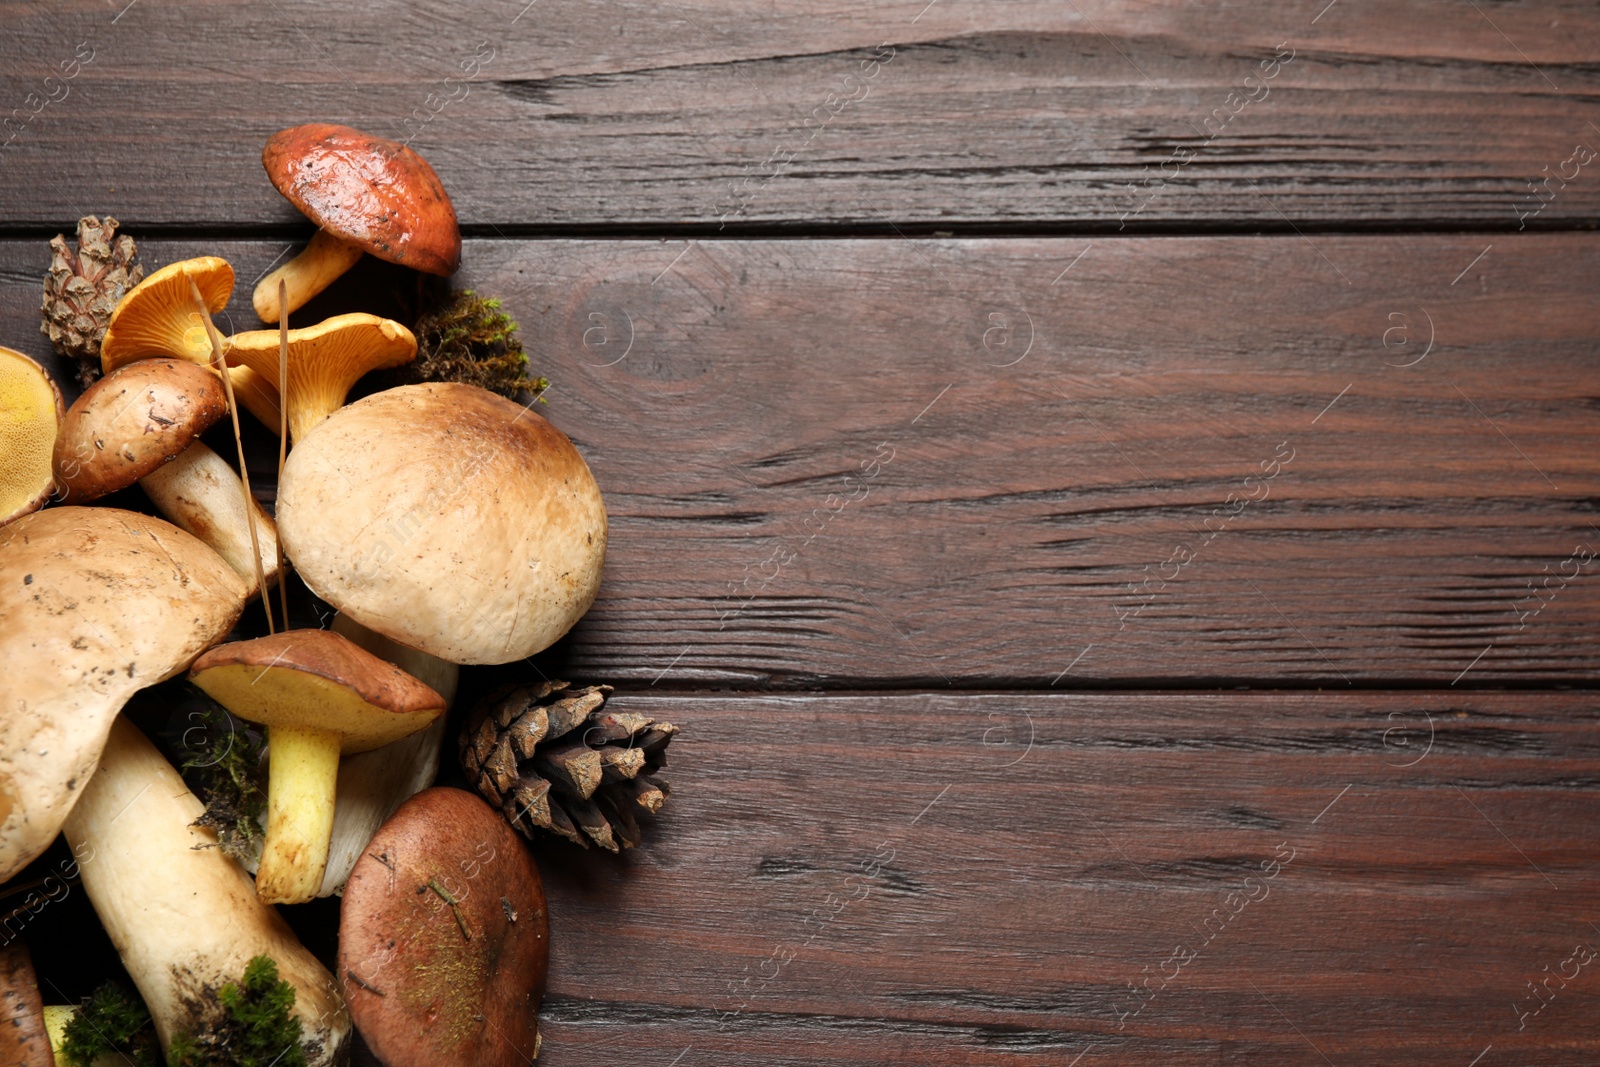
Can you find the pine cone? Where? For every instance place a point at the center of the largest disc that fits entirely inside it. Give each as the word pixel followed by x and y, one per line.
pixel 552 758
pixel 83 287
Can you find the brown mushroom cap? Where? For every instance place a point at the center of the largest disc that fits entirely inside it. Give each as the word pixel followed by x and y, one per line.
pixel 24 1040
pixel 158 318
pixel 446 518
pixel 133 420
pixel 431 983
pixel 30 416
pixel 318 680
pixel 374 193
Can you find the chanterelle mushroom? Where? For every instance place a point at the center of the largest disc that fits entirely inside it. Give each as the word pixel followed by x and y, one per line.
pixel 367 195
pixel 443 938
pixel 95 604
pixel 30 411
pixel 141 423
pixel 325 360
pixel 446 518
pixel 318 695
pixel 182 915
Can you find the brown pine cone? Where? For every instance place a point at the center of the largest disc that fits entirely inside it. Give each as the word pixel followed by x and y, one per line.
pixel 553 758
pixel 83 287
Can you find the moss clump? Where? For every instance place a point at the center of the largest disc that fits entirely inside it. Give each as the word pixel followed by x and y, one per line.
pixel 226 765
pixel 253 1028
pixel 469 339
pixel 112 1022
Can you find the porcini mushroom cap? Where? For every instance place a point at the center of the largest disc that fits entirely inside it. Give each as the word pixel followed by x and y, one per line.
pixel 318 680
pixel 443 937
pixel 446 518
pixel 374 193
pixel 325 360
pixel 130 422
pixel 30 414
pixel 157 317
pixel 95 604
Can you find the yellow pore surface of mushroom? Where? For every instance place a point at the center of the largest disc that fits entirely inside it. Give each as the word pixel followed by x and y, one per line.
pixel 325 360
pixel 158 317
pixel 30 413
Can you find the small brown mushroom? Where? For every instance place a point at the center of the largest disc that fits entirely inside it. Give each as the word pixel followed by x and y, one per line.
pixel 443 938
pixel 24 1039
pixel 30 412
pixel 319 695
pixel 141 423
pixel 366 194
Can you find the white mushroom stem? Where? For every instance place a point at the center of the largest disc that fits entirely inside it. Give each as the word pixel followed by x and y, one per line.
pixel 182 915
pixel 200 492
pixel 318 266
pixel 373 784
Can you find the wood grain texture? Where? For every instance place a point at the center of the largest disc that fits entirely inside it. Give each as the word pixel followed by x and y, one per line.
pixel 977 879
pixel 1018 114
pixel 1017 511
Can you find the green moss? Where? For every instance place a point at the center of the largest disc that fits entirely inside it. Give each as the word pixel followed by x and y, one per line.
pixel 469 339
pixel 112 1021
pixel 253 1028
pixel 224 761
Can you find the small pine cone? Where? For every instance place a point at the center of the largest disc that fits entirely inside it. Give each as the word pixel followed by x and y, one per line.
pixel 552 758
pixel 82 288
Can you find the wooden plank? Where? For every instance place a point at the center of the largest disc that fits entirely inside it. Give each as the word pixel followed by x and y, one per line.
pixel 981 879
pixel 1090 114
pixel 841 462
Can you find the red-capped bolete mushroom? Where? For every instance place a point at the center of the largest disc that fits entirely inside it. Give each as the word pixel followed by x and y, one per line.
pixel 182 915
pixel 373 784
pixel 443 938
pixel 30 412
pixel 95 604
pixel 319 696
pixel 141 423
pixel 325 360
pixel 365 194
pixel 24 1039
pixel 446 518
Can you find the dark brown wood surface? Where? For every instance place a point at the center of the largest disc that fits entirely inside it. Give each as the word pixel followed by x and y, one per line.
pixel 1024 590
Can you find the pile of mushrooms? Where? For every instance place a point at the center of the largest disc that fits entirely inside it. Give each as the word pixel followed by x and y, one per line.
pixel 447 526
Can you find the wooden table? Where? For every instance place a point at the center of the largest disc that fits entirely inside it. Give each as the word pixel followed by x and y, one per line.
pixel 1108 489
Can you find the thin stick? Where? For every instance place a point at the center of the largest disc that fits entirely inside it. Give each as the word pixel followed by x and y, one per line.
pixel 221 367
pixel 283 432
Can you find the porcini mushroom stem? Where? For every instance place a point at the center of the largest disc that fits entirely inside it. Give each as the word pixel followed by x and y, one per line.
pixel 292 285
pixel 199 492
pixel 220 365
pixel 300 790
pixel 283 439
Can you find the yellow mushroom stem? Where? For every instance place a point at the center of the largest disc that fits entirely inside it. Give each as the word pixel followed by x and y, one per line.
pixel 300 793
pixel 317 266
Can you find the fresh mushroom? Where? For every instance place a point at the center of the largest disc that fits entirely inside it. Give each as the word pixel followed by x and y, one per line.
pixel 325 360
pixel 24 1039
pixel 319 696
pixel 30 412
pixel 365 194
pixel 95 604
pixel 142 423
pixel 373 784
pixel 446 518
pixel 443 938
pixel 182 915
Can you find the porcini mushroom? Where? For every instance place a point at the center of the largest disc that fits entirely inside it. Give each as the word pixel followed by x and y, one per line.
pixel 30 412
pixel 365 194
pixel 498 522
pixel 24 1038
pixel 443 938
pixel 373 784
pixel 95 604
pixel 182 915
pixel 325 360
pixel 142 423
pixel 319 695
